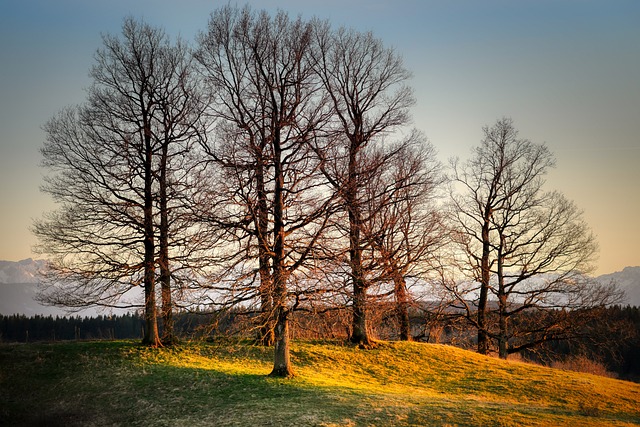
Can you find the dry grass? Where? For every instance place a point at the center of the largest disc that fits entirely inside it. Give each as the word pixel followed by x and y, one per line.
pixel 583 364
pixel 395 384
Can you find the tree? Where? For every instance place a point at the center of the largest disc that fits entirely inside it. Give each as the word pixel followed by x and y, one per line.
pixel 266 98
pixel 366 85
pixel 405 227
pixel 180 107
pixel 527 247
pixel 110 174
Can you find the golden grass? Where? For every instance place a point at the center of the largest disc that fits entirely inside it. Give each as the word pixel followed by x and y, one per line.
pixel 395 384
pixel 398 381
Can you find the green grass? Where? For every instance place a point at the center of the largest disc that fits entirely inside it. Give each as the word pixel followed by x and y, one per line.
pixel 395 384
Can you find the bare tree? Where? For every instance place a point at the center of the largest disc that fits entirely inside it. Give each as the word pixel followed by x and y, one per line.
pixel 405 226
pixel 527 247
pixel 180 107
pixel 111 173
pixel 266 94
pixel 366 84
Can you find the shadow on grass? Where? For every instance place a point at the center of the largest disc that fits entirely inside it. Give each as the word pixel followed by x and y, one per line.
pixel 92 384
pixel 121 383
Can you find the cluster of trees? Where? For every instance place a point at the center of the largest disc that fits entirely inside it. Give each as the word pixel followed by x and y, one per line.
pixel 271 168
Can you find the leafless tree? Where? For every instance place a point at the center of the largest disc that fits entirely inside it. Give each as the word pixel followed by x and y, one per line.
pixel 528 247
pixel 404 223
pixel 113 164
pixel 366 83
pixel 266 98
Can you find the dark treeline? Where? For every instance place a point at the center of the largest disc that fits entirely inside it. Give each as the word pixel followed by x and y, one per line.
pixel 611 341
pixel 20 328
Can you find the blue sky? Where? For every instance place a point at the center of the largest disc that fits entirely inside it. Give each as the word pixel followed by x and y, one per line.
pixel 567 72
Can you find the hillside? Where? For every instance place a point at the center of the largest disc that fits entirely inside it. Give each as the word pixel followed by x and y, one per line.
pixel 396 384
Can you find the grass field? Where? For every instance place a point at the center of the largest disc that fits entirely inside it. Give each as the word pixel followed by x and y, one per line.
pixel 226 384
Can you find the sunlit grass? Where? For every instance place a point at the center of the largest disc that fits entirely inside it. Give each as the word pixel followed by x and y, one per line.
pixel 226 384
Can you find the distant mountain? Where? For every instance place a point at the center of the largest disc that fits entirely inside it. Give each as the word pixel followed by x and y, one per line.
pixel 18 288
pixel 628 280
pixel 25 271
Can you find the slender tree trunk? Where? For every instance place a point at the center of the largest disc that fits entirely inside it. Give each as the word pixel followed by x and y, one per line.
pixel 163 258
pixel 151 336
pixel 502 306
pixel 359 324
pixel 503 350
pixel 402 306
pixel 266 331
pixel 483 338
pixel 359 334
pixel 281 361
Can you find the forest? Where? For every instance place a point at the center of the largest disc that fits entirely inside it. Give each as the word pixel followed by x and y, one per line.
pixel 267 175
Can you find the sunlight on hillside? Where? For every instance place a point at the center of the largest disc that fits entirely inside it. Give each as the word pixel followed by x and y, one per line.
pixel 398 378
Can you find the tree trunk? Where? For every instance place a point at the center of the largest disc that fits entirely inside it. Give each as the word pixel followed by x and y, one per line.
pixel 266 333
pixel 502 305
pixel 359 334
pixel 151 336
pixel 402 306
pixel 483 339
pixel 281 361
pixel 502 336
pixel 163 258
pixel 359 324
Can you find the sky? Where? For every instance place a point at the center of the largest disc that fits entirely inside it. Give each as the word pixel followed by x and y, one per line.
pixel 566 71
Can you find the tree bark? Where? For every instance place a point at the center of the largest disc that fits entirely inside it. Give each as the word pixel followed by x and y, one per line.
pixel 502 303
pixel 402 306
pixel 163 257
pixel 359 333
pixel 151 336
pixel 281 362
pixel 483 338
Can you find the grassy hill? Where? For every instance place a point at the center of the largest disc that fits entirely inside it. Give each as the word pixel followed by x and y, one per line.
pixel 396 384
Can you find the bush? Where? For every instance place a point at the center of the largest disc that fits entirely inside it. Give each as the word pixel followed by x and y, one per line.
pixel 583 364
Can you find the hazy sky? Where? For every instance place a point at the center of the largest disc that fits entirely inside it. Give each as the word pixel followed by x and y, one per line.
pixel 567 72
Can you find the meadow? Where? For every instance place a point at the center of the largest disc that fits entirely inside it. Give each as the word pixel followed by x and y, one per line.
pixel 103 383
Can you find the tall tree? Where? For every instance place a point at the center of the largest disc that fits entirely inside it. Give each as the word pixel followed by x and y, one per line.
pixel 182 130
pixel 365 82
pixel 266 94
pixel 109 162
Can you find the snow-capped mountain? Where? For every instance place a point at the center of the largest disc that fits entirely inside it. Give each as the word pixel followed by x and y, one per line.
pixel 25 271
pixel 19 286
pixel 628 280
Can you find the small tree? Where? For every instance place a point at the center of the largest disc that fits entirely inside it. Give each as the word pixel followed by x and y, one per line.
pixel 404 225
